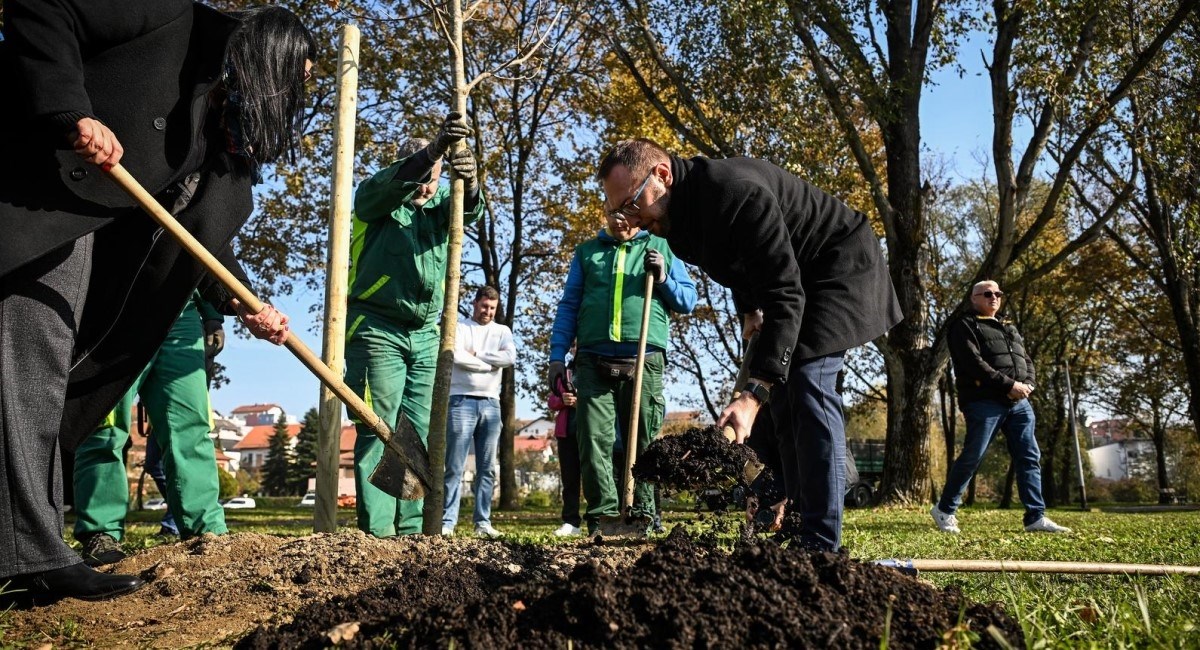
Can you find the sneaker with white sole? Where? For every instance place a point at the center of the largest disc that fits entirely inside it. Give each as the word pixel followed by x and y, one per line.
pixel 486 530
pixel 567 530
pixel 447 530
pixel 1045 525
pixel 946 523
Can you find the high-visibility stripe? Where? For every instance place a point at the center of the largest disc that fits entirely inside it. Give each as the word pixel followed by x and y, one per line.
pixel 367 399
pixel 354 326
pixel 375 287
pixel 614 329
pixel 110 420
pixel 358 235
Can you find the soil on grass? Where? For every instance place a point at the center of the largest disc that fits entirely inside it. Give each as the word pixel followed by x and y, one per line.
pixel 259 591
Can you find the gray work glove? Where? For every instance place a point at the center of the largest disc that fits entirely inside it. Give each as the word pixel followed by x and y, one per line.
pixel 656 265
pixel 214 338
pixel 557 372
pixel 454 128
pixel 463 164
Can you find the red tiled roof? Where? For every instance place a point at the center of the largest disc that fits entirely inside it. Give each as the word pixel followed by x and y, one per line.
pixel 349 435
pixel 255 408
pixel 259 437
pixel 530 444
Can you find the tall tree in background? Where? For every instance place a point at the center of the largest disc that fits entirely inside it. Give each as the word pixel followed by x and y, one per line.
pixel 304 463
pixel 1160 228
pixel 521 116
pixel 671 79
pixel 277 468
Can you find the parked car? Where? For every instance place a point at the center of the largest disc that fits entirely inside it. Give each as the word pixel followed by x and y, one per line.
pixel 240 503
pixel 154 504
pixel 309 500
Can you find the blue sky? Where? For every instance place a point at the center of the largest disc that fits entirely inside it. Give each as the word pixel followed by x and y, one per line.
pixel 956 126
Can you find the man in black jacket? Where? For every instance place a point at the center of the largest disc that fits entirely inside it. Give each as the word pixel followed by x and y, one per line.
pixel 994 377
pixel 807 273
pixel 191 101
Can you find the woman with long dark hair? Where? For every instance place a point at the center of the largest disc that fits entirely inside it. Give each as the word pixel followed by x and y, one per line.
pixel 193 102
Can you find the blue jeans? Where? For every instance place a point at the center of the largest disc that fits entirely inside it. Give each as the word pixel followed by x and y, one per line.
pixel 471 419
pixel 807 410
pixel 984 418
pixel 155 469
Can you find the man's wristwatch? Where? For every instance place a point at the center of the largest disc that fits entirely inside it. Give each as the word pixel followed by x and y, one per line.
pixel 758 391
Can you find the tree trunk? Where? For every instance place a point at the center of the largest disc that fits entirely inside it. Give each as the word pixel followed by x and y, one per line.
pixel 508 432
pixel 1159 435
pixel 911 385
pixel 947 395
pixel 435 498
pixel 1006 495
pixel 1186 314
pixel 970 500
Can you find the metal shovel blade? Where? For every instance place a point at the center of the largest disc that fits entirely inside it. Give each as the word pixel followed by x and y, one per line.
pixel 403 471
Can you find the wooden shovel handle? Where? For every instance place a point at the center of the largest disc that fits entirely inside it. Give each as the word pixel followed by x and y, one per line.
pixel 247 298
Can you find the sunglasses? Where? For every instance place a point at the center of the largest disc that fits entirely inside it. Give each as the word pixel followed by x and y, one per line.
pixel 991 294
pixel 630 208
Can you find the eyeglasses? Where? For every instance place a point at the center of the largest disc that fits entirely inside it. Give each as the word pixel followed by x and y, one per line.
pixel 991 294
pixel 630 208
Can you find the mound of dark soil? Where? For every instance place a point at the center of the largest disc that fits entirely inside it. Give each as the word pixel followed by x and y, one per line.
pixel 680 595
pixel 696 459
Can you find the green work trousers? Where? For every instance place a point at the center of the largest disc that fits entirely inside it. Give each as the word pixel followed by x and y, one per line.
pixel 174 390
pixel 392 370
pixel 603 410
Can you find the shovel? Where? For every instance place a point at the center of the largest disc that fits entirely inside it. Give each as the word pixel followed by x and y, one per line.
pixel 751 469
pixel 403 472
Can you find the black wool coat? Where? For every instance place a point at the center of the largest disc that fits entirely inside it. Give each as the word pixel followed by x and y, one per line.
pixel 989 356
pixel 809 261
pixel 144 68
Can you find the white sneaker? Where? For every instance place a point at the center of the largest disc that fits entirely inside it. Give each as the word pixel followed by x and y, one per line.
pixel 1045 525
pixel 486 530
pixel 447 530
pixel 567 530
pixel 945 523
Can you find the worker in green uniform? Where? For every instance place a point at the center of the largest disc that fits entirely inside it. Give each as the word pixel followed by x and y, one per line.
pixel 601 309
pixel 174 390
pixel 398 255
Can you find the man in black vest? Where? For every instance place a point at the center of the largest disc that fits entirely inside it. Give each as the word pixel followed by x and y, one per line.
pixel 807 273
pixel 994 376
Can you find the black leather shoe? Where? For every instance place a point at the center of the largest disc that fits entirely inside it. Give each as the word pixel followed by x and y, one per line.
pixel 75 581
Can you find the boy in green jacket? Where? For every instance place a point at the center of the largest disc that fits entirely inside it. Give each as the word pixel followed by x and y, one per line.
pixel 397 272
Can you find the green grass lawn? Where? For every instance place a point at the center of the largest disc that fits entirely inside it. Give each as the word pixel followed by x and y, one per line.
pixel 1055 610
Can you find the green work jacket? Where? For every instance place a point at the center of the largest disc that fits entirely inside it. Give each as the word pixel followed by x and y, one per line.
pixel 398 250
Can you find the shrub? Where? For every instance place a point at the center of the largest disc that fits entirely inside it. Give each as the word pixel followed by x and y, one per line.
pixel 1130 490
pixel 229 484
pixel 538 499
pixel 247 483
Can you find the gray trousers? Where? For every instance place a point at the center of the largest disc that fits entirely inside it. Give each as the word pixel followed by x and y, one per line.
pixel 40 306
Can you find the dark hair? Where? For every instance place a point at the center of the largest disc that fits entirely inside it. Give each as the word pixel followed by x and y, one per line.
pixel 264 78
pixel 637 155
pixel 487 293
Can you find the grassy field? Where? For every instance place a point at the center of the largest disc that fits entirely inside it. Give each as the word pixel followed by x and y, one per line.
pixel 1055 610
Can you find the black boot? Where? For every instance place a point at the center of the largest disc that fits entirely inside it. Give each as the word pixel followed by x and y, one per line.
pixel 100 549
pixel 75 581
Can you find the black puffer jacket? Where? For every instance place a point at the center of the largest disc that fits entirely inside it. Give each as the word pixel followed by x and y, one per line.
pixel 989 356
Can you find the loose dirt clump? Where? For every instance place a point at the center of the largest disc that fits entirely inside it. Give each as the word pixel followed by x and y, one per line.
pixel 680 595
pixel 696 459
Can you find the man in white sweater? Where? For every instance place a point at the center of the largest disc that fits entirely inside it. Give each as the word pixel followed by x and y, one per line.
pixel 482 349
